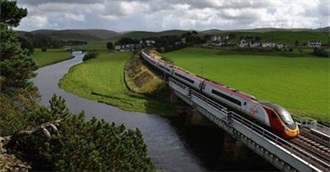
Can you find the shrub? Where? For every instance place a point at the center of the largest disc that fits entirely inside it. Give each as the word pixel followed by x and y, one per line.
pixel 89 55
pixel 320 52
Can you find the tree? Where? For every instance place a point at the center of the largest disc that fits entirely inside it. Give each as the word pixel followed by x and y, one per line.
pixel 10 14
pixel 16 67
pixel 26 44
pixel 110 45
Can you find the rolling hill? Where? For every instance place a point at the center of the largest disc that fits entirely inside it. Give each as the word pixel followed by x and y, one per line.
pixel 287 36
pixel 81 35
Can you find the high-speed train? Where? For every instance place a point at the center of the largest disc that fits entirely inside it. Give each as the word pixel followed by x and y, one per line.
pixel 273 116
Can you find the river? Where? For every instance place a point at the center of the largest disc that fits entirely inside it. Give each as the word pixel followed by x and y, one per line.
pixel 165 147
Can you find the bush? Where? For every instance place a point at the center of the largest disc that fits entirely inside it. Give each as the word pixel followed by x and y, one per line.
pixel 320 52
pixel 44 49
pixel 89 55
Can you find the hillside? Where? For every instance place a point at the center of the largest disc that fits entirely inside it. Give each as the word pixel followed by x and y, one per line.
pixel 82 35
pixel 145 34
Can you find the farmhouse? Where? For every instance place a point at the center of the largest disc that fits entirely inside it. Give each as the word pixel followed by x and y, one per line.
pixel 249 43
pixel 126 47
pixel 268 45
pixel 281 46
pixel 219 41
pixel 314 44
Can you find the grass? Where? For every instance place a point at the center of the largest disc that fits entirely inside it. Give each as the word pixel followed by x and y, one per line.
pixel 93 45
pixel 102 79
pixel 51 56
pixel 300 84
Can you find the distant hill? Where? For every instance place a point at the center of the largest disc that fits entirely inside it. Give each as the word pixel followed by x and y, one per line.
pixel 82 35
pixel 172 32
pixel 288 36
pixel 324 29
pixel 145 34
pixel 212 32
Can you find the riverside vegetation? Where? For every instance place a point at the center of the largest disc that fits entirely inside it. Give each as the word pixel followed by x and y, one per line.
pixel 78 145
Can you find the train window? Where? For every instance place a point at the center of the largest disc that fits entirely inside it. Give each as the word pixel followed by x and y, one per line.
pixel 185 78
pixel 228 98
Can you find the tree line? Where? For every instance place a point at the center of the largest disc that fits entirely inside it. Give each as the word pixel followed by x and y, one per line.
pixel 30 41
pixel 164 43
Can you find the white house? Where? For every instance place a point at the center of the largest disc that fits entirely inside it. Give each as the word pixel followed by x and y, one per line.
pixel 248 43
pixel 268 45
pixel 314 44
pixel 281 46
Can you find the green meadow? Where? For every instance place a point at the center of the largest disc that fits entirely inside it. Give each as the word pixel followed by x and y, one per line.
pixel 51 56
pixel 300 84
pixel 102 79
pixel 99 45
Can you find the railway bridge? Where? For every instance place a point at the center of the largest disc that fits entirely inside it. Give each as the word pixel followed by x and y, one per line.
pixel 309 152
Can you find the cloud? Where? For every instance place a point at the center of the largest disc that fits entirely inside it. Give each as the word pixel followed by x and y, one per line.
pixel 124 15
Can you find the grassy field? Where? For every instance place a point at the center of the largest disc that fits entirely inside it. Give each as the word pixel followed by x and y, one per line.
pixel 51 56
pixel 102 79
pixel 100 45
pixel 300 84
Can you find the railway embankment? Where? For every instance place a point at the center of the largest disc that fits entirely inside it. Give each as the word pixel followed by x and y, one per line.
pixel 139 79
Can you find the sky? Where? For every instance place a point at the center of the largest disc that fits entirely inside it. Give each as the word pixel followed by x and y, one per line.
pixel 159 15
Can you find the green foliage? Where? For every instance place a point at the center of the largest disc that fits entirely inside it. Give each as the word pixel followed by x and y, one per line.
pixel 26 44
pixel 16 67
pixel 10 14
pixel 110 45
pixel 80 145
pixel 89 55
pixel 44 49
pixel 320 52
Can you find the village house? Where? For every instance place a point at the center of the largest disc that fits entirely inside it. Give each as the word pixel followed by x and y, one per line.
pixel 314 44
pixel 219 41
pixel 126 47
pixel 281 46
pixel 268 45
pixel 249 42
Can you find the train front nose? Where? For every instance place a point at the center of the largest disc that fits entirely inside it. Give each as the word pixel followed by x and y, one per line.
pixel 292 133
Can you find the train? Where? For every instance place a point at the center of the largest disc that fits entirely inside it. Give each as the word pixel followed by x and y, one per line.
pixel 274 117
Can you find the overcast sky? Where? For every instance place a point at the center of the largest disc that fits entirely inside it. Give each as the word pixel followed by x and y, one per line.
pixel 158 15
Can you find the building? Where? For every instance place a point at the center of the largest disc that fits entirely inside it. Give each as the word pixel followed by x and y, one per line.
pixel 249 42
pixel 126 47
pixel 268 45
pixel 314 44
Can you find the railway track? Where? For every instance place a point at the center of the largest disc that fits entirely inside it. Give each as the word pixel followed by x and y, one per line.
pixel 315 145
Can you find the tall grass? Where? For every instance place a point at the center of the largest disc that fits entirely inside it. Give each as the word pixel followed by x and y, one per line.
pixel 300 84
